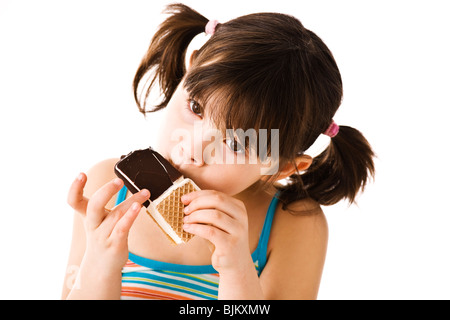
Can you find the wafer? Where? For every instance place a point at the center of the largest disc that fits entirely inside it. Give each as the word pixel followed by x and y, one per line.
pixel 147 169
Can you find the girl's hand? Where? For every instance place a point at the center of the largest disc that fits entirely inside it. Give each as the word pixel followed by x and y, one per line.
pixel 223 221
pixel 106 230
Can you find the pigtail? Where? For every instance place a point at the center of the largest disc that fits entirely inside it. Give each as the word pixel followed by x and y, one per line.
pixel 165 56
pixel 342 170
pixel 339 172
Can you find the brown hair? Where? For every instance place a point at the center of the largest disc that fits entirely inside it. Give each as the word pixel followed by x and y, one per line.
pixel 264 71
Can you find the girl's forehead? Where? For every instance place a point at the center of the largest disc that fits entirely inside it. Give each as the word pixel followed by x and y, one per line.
pixel 241 89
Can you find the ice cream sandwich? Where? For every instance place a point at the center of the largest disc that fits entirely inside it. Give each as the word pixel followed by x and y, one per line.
pixel 147 169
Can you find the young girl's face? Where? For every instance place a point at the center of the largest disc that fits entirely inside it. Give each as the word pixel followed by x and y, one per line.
pixel 201 152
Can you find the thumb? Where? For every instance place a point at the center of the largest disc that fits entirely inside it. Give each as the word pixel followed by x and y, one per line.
pixel 75 197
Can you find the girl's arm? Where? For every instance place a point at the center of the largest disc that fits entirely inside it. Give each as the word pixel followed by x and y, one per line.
pixel 297 249
pixel 96 283
pixel 98 175
pixel 242 284
pixel 76 254
pixel 106 249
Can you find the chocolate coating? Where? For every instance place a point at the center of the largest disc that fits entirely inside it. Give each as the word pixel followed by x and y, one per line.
pixel 146 169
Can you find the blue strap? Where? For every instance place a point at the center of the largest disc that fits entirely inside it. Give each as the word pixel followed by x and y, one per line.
pixel 122 195
pixel 261 250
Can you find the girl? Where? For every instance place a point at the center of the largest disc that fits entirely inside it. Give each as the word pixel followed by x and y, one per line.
pixel 257 236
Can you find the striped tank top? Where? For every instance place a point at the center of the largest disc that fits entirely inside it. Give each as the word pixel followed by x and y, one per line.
pixel 144 278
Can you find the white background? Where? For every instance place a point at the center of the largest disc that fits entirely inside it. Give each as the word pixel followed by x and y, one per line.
pixel 66 69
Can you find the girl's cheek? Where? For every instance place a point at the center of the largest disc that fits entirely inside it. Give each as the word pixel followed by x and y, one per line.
pixel 187 118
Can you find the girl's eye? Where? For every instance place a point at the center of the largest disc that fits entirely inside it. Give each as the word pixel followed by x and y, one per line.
pixel 195 107
pixel 234 145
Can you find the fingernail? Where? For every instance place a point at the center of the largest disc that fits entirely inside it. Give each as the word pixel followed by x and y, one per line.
pixel 80 177
pixel 118 182
pixel 135 206
pixel 186 209
pixel 145 193
pixel 186 226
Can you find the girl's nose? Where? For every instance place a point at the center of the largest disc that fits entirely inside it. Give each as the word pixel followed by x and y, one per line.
pixel 198 143
pixel 205 139
pixel 197 147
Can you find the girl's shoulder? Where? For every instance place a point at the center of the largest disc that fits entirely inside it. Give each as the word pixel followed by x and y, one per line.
pixel 300 212
pixel 296 251
pixel 300 224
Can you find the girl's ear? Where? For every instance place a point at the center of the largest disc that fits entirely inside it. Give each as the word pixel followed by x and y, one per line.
pixel 300 163
pixel 192 58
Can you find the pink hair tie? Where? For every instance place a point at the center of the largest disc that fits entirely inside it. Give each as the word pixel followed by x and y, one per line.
pixel 210 27
pixel 332 130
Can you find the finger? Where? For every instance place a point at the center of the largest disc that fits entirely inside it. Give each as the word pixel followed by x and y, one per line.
pixel 96 207
pixel 117 212
pixel 210 199
pixel 215 218
pixel 216 236
pixel 75 197
pixel 187 198
pixel 139 197
pixel 122 227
